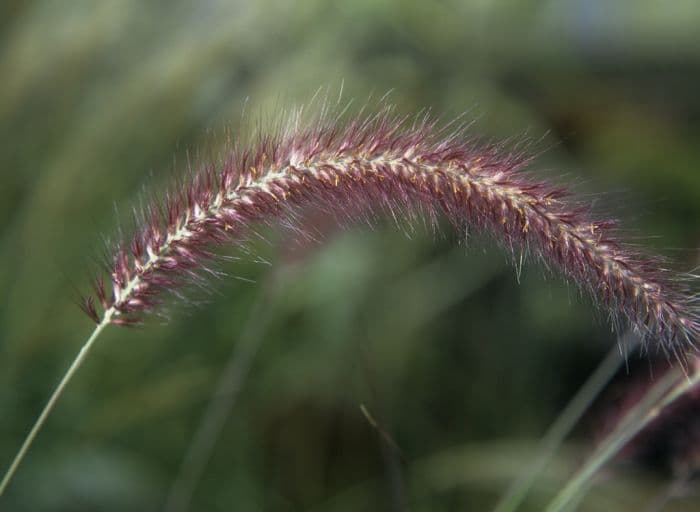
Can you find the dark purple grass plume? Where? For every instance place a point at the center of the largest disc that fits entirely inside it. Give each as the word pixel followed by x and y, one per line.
pixel 671 440
pixel 386 161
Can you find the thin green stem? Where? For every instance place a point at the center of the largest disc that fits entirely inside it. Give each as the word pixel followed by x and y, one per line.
pixel 77 362
pixel 671 387
pixel 556 434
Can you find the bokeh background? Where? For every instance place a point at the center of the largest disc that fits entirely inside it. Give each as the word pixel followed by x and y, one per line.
pixel 459 367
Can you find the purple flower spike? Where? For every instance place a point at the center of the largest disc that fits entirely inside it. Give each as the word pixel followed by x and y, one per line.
pixel 385 161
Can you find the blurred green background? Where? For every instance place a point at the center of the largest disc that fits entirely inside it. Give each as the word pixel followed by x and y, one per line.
pixel 460 367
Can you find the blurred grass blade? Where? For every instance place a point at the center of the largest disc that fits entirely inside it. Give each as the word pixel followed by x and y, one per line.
pixel 566 421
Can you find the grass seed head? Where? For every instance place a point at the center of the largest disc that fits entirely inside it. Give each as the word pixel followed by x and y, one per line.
pixel 384 161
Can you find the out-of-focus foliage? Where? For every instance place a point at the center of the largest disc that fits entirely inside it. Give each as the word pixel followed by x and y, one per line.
pixel 462 367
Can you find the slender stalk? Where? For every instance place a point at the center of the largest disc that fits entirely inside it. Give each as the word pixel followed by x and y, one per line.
pixel 77 362
pixel 666 392
pixel 573 411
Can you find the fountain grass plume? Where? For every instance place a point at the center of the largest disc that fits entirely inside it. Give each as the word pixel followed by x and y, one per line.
pixel 389 162
pixel 672 438
pixel 396 163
